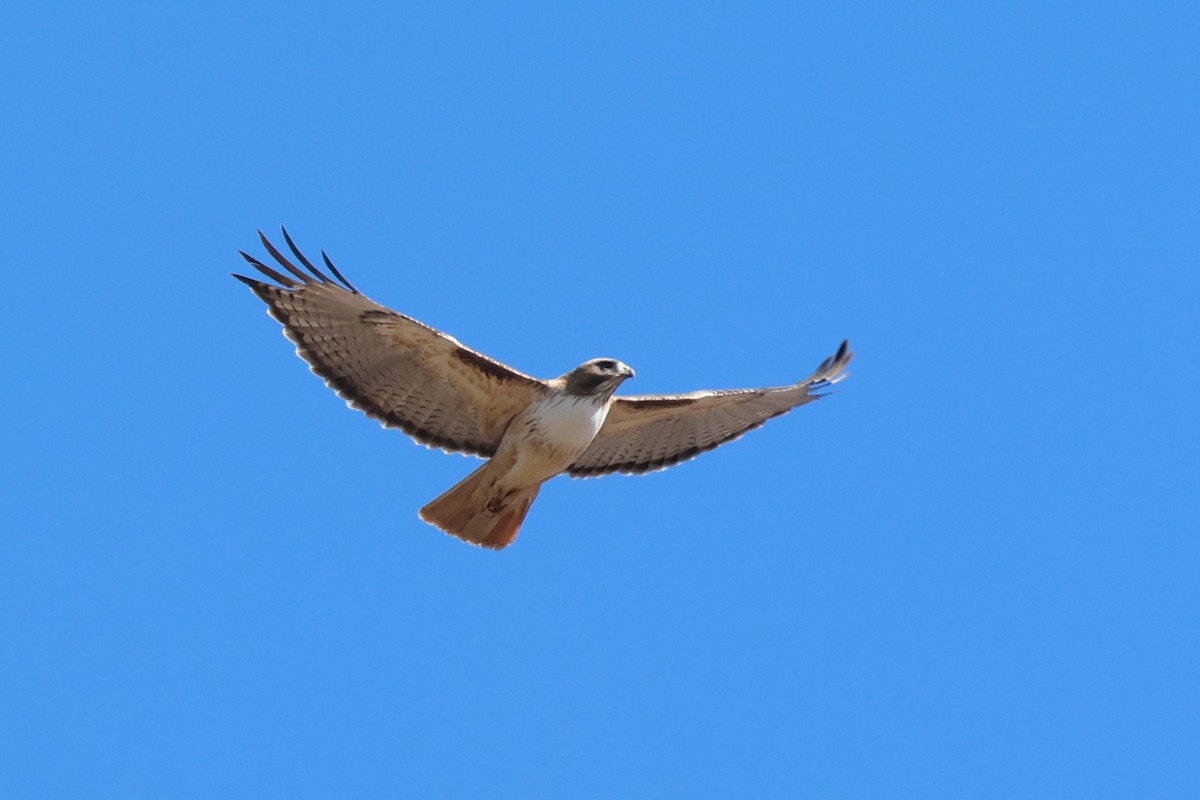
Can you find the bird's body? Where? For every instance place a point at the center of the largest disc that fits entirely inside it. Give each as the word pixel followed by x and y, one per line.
pixel 408 375
pixel 488 506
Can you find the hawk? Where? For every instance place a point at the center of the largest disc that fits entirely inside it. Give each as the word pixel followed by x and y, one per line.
pixel 443 394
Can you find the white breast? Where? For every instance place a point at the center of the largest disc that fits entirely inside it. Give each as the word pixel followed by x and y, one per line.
pixel 548 437
pixel 566 423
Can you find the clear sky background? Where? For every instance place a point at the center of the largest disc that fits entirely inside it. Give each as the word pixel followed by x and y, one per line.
pixel 970 573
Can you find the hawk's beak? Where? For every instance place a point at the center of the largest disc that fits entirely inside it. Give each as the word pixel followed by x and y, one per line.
pixel 627 371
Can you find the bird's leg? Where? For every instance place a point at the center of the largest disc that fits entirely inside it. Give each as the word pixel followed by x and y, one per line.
pixel 496 499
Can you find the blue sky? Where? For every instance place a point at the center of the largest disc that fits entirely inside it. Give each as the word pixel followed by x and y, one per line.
pixel 971 573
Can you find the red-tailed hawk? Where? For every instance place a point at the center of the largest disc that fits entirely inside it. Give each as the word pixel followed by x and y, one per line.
pixel 442 394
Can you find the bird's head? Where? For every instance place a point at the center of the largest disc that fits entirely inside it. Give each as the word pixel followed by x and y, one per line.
pixel 598 376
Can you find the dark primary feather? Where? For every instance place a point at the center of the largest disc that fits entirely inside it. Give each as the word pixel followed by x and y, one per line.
pixel 389 366
pixel 654 432
pixel 296 251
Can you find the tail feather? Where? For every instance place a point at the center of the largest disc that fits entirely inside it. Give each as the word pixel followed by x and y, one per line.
pixel 462 511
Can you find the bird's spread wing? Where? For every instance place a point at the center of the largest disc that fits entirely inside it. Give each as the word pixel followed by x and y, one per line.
pixel 389 366
pixel 643 434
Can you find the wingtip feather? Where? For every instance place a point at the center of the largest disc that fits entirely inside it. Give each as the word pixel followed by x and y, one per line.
pixel 833 369
pixel 304 260
pixel 337 273
pixel 283 262
pixel 279 277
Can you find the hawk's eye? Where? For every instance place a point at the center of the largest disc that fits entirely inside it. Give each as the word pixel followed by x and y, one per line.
pixel 606 366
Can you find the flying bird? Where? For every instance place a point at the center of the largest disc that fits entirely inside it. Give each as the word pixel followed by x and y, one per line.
pixel 443 394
